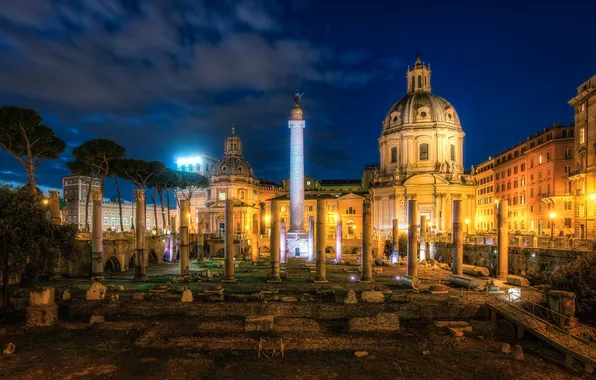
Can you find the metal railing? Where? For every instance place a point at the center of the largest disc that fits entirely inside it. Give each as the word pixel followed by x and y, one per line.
pixel 578 339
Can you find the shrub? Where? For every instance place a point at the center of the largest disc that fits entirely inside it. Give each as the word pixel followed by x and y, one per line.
pixel 579 277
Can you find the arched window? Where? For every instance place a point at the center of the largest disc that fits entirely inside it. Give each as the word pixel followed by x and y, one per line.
pixel 350 210
pixel 190 167
pixel 419 81
pixel 452 152
pixel 241 195
pixel 423 156
pixel 393 155
pixel 413 83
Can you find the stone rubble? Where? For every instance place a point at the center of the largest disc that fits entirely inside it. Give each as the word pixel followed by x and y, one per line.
pixel 372 296
pixel 187 296
pixel 506 348
pixel 120 288
pixel 65 295
pixel 97 319
pixel 9 349
pixel 138 296
pixel 351 298
pixel 96 292
pixel 518 352
pixel 360 354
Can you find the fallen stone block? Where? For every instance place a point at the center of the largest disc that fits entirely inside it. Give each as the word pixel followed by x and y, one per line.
pixel 97 319
pixel 382 322
pixel 114 297
pixel 506 348
pixel 65 295
pixel 42 295
pixel 96 292
pixel 455 331
pixel 517 281
pixel 360 354
pixel 518 352
pixel 289 299
pixel 409 281
pixel 111 287
pixel 120 288
pixel 472 270
pixel 351 298
pixel 42 315
pixel 468 283
pixel 260 323
pixel 138 296
pixel 372 296
pixel 186 296
pixel 399 298
pixel 9 349
pixel 159 289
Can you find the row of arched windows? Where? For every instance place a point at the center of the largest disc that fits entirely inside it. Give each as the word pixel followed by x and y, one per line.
pixel 423 153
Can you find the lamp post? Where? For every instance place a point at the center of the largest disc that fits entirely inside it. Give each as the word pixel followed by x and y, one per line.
pixel 552 216
pixel 467 230
pixel 592 197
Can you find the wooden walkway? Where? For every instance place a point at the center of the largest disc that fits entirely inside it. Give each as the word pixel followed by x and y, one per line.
pixel 578 341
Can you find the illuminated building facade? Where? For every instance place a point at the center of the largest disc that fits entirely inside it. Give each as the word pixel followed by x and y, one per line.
pixel 486 216
pixel 583 174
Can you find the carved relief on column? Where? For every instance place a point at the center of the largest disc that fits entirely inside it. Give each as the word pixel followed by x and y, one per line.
pixel 411 196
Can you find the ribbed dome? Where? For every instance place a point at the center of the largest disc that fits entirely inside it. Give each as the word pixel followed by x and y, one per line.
pixel 236 166
pixel 420 108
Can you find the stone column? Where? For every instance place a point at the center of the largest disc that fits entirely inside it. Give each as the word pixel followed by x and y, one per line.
pixel 458 238
pixel 366 247
pixel 254 249
pixel 97 237
pixel 274 244
pixel 283 244
pixel 296 125
pixel 503 240
pixel 55 219
pixel 140 221
pixel 443 212
pixel 412 238
pixel 311 238
pixel 320 236
pixel 338 240
pixel 184 248
pixel 172 237
pixel 423 245
pixel 395 237
pixel 229 242
pixel 201 243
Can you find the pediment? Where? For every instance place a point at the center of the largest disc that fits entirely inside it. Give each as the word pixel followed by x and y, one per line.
pixel 426 179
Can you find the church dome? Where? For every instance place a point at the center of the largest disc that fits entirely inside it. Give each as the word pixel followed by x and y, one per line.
pixel 421 107
pixel 233 164
pixel 236 166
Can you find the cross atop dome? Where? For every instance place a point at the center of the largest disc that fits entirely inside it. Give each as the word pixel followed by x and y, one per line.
pixel 419 76
pixel 233 146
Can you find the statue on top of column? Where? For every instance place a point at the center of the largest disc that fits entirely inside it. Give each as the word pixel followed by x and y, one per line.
pixel 297 97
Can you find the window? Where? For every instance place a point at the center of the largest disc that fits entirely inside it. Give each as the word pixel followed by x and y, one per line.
pixel 568 222
pixel 522 199
pixel 582 136
pixel 567 152
pixel 413 83
pixel 531 163
pixel 515 170
pixel 531 191
pixel 113 220
pixel 331 207
pixel 222 196
pixel 113 213
pixel 106 220
pixel 539 159
pixel 307 183
pixel 283 208
pixel 522 167
pixel 515 184
pixel 509 171
pixel 523 182
pixel 567 205
pixel 497 176
pixel 567 169
pixel 419 81
pixel 547 156
pixel 241 194
pixel 452 152
pixel 508 185
pixel 423 152
pixel 310 208
pixel 124 220
pixel 393 155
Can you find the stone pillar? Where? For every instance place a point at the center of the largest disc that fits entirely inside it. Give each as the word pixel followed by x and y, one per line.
pixel 283 244
pixel 458 238
pixel 229 242
pixel 296 125
pixel 55 219
pixel 42 309
pixel 184 248
pixel 201 243
pixel 366 246
pixel 503 240
pixel 140 221
pixel 311 238
pixel 172 237
pixel 338 240
pixel 443 212
pixel 395 237
pixel 97 237
pixel 274 244
pixel 423 245
pixel 412 238
pixel 320 246
pixel 254 249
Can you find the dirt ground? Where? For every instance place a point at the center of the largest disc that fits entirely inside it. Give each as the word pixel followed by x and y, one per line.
pixel 113 350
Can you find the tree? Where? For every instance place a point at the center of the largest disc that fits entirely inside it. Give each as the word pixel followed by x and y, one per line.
pixel 155 183
pixel 578 276
pixel 24 137
pixel 139 172
pixel 171 180
pixel 190 183
pixel 28 238
pixel 94 158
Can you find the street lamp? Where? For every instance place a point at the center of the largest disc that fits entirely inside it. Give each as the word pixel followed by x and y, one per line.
pixel 552 216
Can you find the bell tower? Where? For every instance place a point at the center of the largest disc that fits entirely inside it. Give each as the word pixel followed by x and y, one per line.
pixel 418 77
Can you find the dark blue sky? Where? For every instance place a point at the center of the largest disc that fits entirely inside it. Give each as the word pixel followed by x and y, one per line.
pixel 169 78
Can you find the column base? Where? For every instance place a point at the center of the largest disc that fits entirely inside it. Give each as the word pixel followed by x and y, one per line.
pixel 97 277
pixel 229 280
pixel 275 280
pixel 140 278
pixel 365 280
pixel 320 281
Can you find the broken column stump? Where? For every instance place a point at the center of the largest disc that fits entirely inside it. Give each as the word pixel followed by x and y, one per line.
pixel 42 310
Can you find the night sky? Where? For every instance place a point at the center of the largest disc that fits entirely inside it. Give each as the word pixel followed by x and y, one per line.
pixel 169 78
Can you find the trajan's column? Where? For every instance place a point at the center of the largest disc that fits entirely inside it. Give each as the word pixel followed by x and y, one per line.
pixel 297 239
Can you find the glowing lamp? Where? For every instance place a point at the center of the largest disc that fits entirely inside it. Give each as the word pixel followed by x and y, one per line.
pixel 267 218
pixel 592 196
pixel 552 215
pixel 45 201
pixel 467 221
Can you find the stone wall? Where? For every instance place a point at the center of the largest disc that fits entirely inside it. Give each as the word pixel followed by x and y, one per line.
pixel 118 255
pixel 533 263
